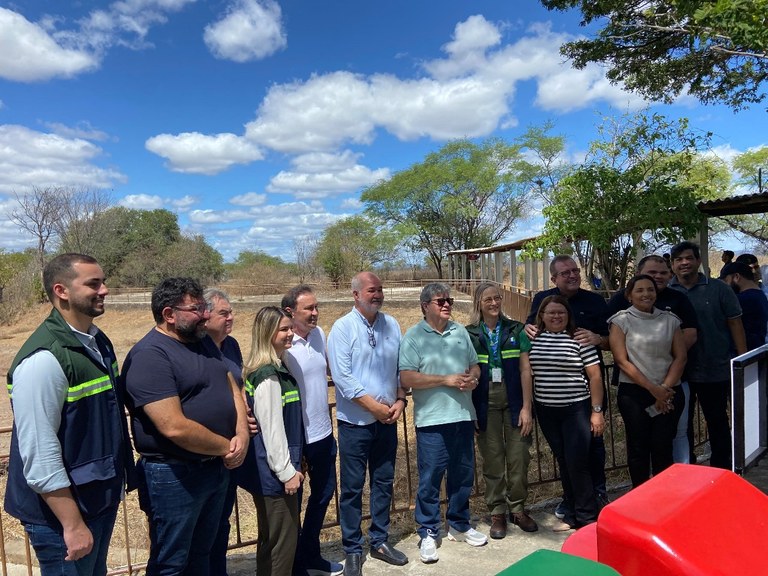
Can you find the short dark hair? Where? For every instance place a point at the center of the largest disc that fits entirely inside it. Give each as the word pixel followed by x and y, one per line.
pixel 290 298
pixel 728 253
pixel 170 292
pixel 681 247
pixel 651 258
pixel 557 299
pixel 61 270
pixel 634 280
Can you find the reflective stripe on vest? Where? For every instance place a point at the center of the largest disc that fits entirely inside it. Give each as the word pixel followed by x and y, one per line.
pixel 80 391
pixel 482 358
pixel 510 353
pixel 290 396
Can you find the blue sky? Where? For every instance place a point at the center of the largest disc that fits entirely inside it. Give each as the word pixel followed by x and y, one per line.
pixel 260 121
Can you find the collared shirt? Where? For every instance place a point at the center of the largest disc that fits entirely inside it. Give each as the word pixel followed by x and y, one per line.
pixel 425 350
pixel 39 391
pixel 715 303
pixel 306 361
pixel 358 368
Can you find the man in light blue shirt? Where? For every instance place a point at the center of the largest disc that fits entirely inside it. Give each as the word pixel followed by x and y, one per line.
pixel 438 360
pixel 363 351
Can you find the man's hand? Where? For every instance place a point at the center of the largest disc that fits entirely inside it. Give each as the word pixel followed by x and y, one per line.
pixel 79 541
pixel 236 455
pixel 395 411
pixel 531 331
pixel 380 411
pixel 253 425
pixel 586 337
pixel 468 382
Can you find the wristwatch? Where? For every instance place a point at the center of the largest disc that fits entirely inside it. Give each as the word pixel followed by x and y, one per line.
pixel 597 409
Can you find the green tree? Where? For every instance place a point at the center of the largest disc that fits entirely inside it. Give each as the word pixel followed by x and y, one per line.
pixel 717 50
pixel 465 195
pixel 547 165
pixel 636 187
pixel 751 167
pixel 354 244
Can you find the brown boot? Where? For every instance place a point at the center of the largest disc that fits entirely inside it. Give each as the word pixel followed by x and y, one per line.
pixel 525 522
pixel 498 526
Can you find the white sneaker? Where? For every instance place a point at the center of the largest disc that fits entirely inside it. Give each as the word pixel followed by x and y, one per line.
pixel 428 550
pixel 471 537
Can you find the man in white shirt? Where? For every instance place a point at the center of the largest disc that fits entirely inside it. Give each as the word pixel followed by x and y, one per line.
pixel 307 362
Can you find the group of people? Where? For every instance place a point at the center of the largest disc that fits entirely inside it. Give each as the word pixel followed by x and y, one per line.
pixel 206 419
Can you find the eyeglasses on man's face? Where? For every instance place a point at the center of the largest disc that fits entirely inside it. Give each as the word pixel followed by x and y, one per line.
pixel 443 301
pixel 569 272
pixel 200 309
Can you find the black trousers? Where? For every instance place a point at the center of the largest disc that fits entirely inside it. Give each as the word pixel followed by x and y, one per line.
pixel 713 397
pixel 649 439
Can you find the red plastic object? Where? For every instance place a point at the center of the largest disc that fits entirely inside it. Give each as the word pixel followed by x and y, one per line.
pixel 583 542
pixel 687 521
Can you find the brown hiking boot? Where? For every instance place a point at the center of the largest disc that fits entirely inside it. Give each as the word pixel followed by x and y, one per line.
pixel 498 526
pixel 526 523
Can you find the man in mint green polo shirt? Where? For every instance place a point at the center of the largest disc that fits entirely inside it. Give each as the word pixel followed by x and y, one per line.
pixel 439 362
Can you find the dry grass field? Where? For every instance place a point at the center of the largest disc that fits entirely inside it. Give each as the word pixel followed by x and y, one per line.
pixel 125 325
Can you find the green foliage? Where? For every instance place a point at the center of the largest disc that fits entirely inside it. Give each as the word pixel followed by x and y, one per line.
pixel 464 195
pixel 354 244
pixel 715 49
pixel 549 166
pixel 639 185
pixel 20 283
pixel 747 167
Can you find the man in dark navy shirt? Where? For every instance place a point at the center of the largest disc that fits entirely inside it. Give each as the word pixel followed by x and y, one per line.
pixel 754 304
pixel 189 426
pixel 591 314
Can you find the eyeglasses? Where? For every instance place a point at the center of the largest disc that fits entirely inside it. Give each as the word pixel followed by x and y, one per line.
pixel 558 313
pixel 371 337
pixel 443 301
pixel 200 309
pixel 225 313
pixel 566 273
pixel 491 300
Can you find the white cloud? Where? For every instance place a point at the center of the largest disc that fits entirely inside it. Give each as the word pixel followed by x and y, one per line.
pixel 248 199
pixel 318 175
pixel 55 47
pixel 352 204
pixel 196 153
pixel 250 30
pixel 184 203
pixel 28 53
pixel 82 130
pixel 142 202
pixel 218 216
pixel 31 158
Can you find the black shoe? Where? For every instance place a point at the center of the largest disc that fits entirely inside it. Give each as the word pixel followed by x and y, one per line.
pixel 353 565
pixel 389 554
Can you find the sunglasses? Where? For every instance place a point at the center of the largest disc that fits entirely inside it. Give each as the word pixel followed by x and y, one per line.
pixel 443 301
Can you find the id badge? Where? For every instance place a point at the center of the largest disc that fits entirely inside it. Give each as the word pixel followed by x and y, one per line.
pixel 496 374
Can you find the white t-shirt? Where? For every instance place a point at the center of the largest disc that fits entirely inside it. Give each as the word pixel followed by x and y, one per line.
pixel 306 361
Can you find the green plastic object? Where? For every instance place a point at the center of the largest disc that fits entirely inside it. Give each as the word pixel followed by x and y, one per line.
pixel 551 563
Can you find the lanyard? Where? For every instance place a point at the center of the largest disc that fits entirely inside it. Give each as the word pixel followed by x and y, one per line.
pixel 492 336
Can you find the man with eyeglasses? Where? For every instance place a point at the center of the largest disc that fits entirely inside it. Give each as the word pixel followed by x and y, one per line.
pixel 439 362
pixel 362 349
pixel 189 427
pixel 307 361
pixel 590 312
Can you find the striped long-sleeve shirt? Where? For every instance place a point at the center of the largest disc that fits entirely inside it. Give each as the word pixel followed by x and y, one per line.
pixel 557 363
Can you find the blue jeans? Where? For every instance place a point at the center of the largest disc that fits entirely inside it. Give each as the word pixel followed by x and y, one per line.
pixel 681 450
pixel 51 550
pixel 372 447
pixel 320 457
pixel 567 430
pixel 183 502
pixel 218 565
pixel 444 449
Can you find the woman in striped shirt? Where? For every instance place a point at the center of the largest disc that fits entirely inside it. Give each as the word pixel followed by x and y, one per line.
pixel 568 397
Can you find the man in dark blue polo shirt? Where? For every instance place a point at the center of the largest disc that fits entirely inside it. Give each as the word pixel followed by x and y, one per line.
pixel 591 314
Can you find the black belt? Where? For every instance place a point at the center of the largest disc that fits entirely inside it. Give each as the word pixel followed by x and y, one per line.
pixel 185 462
